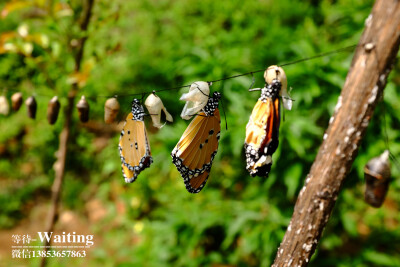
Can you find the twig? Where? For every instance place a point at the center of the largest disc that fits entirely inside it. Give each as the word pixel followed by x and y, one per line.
pixel 59 165
pixel 364 85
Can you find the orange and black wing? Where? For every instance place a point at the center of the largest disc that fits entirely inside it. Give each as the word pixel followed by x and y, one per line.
pixel 134 149
pixel 195 151
pixel 262 133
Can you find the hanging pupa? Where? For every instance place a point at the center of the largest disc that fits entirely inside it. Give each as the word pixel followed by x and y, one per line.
pixel 31 106
pixel 194 154
pixel 154 105
pixel 83 109
pixel 4 106
pixel 53 108
pixel 111 109
pixel 16 101
pixel 274 72
pixel 377 177
pixel 196 99
pixel 262 130
pixel 134 146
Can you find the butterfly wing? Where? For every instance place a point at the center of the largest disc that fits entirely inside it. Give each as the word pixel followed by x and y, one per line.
pixel 262 133
pixel 195 151
pixel 134 149
pixel 128 174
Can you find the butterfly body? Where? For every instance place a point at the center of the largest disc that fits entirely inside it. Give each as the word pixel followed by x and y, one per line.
pixel 134 146
pixel 262 130
pixel 195 151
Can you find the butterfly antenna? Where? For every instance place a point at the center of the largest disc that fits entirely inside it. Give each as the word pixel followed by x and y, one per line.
pixel 385 126
pixel 124 115
pixel 392 157
pixel 223 109
pixel 143 95
pixel 253 81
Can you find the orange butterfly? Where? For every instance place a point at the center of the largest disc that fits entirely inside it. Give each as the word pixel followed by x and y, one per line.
pixel 134 146
pixel 195 151
pixel 262 130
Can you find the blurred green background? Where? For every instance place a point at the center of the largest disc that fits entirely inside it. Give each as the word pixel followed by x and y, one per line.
pixel 136 46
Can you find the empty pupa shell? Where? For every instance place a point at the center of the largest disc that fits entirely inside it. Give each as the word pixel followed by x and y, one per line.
pixel 31 107
pixel 275 72
pixel 154 105
pixel 83 109
pixel 4 106
pixel 16 101
pixel 111 108
pixel 377 177
pixel 196 99
pixel 53 108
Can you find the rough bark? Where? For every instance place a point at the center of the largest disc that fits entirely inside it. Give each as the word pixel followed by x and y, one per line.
pixel 366 79
pixel 59 165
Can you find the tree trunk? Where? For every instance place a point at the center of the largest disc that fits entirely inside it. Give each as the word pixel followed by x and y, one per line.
pixel 362 90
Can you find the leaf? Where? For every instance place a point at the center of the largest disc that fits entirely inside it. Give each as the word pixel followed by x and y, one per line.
pixel 81 77
pixel 63 10
pixel 381 259
pixel 12 6
pixel 292 179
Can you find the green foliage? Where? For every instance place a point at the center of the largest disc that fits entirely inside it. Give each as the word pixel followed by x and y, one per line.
pixel 136 46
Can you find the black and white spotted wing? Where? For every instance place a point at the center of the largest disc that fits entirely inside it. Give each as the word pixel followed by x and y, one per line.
pixel 134 146
pixel 195 151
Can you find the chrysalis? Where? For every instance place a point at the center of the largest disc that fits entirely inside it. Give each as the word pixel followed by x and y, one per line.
pixel 274 72
pixel 4 106
pixel 154 105
pixel 262 130
pixel 196 99
pixel 31 106
pixel 377 175
pixel 53 108
pixel 111 108
pixel 83 109
pixel 16 101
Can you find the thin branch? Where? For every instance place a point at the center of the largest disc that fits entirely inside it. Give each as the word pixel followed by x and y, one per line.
pixel 364 85
pixel 59 165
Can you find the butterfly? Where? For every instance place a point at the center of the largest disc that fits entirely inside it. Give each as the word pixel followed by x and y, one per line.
pixel 134 146
pixel 195 151
pixel 262 130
